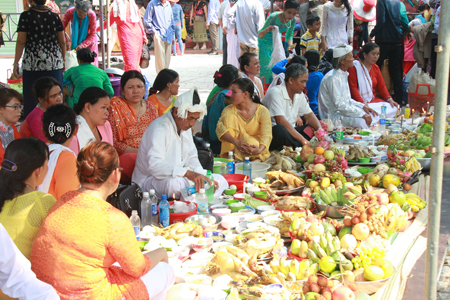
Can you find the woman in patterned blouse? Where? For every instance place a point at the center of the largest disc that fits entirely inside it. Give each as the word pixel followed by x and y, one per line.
pixel 40 33
pixel 129 116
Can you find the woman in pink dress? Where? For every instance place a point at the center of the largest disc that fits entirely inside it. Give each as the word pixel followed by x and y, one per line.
pixel 125 14
pixel 84 27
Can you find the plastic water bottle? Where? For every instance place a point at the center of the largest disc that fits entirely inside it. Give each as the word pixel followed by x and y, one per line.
pixel 339 134
pixel 382 127
pixel 230 163
pixel 146 209
pixel 164 211
pixel 136 222
pixel 154 202
pixel 202 202
pixel 190 190
pixel 210 189
pixel 247 168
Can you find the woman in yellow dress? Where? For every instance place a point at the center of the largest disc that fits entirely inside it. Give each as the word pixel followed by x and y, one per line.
pixel 245 126
pixel 22 207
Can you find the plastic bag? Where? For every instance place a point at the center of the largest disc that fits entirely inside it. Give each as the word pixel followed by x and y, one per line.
pixel 421 77
pixel 71 59
pixel 278 53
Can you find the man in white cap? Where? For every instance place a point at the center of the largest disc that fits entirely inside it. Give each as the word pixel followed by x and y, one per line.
pixel 335 100
pixel 167 158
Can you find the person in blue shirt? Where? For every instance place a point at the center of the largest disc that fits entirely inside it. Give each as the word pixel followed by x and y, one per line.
pixel 314 79
pixel 178 21
pixel 158 20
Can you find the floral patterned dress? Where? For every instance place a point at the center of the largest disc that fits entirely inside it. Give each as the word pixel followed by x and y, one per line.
pixel 266 43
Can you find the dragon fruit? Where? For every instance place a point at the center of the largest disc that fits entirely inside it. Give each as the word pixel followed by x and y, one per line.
pixel 324 144
pixel 320 134
pixel 324 125
pixel 319 159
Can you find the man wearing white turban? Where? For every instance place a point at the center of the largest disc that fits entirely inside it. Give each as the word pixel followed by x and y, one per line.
pixel 167 158
pixel 335 100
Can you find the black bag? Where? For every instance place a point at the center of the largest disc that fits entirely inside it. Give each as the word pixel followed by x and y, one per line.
pixel 205 154
pixel 127 198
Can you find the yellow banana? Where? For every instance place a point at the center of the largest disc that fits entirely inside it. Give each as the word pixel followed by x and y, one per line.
pixel 414 208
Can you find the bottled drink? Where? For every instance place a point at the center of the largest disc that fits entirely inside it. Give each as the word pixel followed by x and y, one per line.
pixel 202 202
pixel 136 222
pixel 247 169
pixel 339 134
pixel 164 213
pixel 230 163
pixel 154 202
pixel 407 112
pixel 382 127
pixel 210 189
pixel 190 190
pixel 146 209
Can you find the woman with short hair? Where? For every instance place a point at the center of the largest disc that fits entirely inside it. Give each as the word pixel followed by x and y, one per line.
pixel 59 126
pixel 47 91
pixel 84 27
pixel 11 105
pixel 245 127
pixel 87 249
pixel 92 118
pixel 86 75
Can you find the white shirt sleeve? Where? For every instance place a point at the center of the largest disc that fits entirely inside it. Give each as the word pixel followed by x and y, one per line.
pixel 231 15
pixel 303 108
pixel 16 278
pixel 273 101
pixel 258 18
pixel 225 16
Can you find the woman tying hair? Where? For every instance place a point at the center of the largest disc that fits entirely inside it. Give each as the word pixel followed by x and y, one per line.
pixel 84 27
pixel 47 91
pixel 245 126
pixel 365 76
pixel 130 115
pixel 223 78
pixel 11 105
pixel 78 260
pixel 59 125
pixel 86 75
pixel 250 68
pixel 164 89
pixel 92 119
pixel 22 207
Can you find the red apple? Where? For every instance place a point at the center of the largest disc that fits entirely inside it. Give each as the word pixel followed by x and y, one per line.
pixel 343 293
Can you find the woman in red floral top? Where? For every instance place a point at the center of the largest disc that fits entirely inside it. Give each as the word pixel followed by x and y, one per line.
pixel 130 116
pixel 84 27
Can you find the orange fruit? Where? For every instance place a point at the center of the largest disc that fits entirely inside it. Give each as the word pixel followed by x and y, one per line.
pixel 319 150
pixel 431 117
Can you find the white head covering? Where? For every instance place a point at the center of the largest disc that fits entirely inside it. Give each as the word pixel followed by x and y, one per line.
pixel 184 105
pixel 341 50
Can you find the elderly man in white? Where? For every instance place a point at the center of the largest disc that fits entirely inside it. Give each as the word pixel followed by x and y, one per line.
pixel 335 100
pixel 167 158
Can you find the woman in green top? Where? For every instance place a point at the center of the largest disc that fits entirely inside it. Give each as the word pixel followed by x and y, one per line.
pixel 286 23
pixel 86 75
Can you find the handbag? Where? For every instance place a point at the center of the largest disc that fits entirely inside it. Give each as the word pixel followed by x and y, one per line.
pixel 205 154
pixel 145 57
pixel 127 198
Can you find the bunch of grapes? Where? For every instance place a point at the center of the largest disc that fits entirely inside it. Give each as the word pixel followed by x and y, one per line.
pixel 367 256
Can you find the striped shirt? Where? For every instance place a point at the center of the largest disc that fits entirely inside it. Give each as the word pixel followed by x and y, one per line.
pixel 309 42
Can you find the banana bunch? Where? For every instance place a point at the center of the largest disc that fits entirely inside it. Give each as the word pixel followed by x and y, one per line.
pixel 415 202
pixel 341 196
pixel 325 247
pixel 395 219
pixel 284 163
pixel 294 270
pixel 412 164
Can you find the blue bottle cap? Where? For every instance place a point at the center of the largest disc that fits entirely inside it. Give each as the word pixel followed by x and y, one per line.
pixel 164 197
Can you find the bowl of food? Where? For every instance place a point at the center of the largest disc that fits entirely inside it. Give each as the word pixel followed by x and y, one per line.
pixel 264 208
pixel 229 202
pixel 229 191
pixel 271 213
pixel 253 219
pixel 223 212
pixel 220 245
pixel 248 210
pixel 272 220
pixel 363 170
pixel 201 279
pixel 364 160
pixel 203 245
pixel 237 180
pixel 193 267
pixel 237 206
pixel 215 236
pixel 229 222
pixel 207 221
pixel 261 195
pixel 218 206
pixel 218 163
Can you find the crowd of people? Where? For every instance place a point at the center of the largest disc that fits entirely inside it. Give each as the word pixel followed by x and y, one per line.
pixel 74 147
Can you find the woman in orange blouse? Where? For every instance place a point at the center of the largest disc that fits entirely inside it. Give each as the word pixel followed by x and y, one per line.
pixel 164 89
pixel 59 127
pixel 129 116
pixel 83 237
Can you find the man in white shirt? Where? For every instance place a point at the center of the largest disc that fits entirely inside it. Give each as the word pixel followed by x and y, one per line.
pixel 247 17
pixel 213 24
pixel 16 278
pixel 167 159
pixel 335 100
pixel 287 104
pixel 220 16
